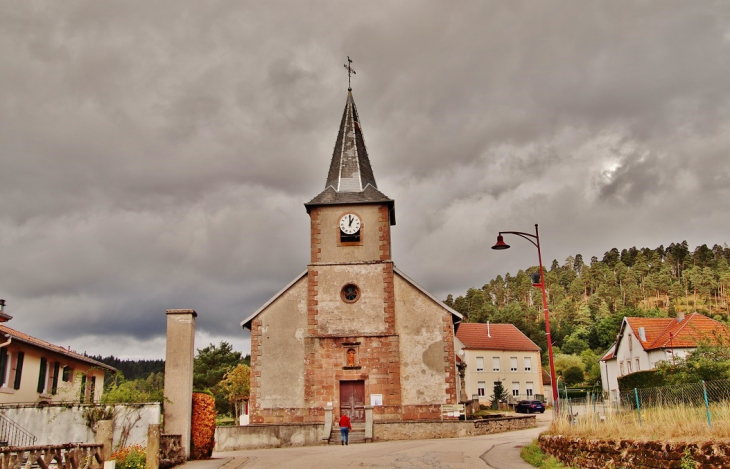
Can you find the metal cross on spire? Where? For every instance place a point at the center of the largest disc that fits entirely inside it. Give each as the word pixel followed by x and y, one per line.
pixel 350 73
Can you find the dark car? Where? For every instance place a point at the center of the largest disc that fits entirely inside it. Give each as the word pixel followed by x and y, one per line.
pixel 528 407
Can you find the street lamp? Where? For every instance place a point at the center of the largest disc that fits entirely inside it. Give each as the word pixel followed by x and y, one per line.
pixel 535 240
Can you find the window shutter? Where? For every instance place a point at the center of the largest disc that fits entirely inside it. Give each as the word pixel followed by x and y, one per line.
pixel 82 398
pixel 19 370
pixel 3 364
pixel 42 376
pixel 56 368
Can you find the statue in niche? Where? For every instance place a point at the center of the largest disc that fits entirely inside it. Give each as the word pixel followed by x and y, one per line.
pixel 351 357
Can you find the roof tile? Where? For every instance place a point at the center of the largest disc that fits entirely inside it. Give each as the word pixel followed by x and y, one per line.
pixel 494 337
pixel 669 332
pixel 23 337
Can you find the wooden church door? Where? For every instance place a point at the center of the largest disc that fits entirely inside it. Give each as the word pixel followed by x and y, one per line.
pixel 352 400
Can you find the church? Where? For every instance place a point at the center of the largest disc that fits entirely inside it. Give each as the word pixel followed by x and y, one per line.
pixel 351 331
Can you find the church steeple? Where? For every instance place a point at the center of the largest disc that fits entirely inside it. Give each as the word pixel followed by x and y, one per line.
pixel 350 170
pixel 350 179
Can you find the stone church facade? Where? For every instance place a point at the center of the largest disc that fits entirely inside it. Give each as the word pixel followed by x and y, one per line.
pixel 351 330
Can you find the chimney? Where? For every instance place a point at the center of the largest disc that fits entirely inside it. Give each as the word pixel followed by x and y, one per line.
pixel 642 334
pixel 488 334
pixel 2 306
pixel 680 316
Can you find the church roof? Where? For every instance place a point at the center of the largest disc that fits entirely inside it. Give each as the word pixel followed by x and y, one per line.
pixel 350 179
pixel 246 323
pixel 457 317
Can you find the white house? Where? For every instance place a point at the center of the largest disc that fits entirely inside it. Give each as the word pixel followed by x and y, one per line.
pixel 33 370
pixel 642 342
pixel 499 352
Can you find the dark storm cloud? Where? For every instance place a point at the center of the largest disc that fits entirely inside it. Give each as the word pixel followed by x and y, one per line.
pixel 157 155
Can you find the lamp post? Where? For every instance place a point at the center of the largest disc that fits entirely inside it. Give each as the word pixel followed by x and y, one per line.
pixel 535 240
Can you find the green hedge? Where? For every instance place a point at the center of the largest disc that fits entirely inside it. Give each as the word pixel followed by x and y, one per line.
pixel 641 379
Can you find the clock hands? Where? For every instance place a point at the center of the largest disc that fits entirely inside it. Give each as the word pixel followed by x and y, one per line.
pixel 350 220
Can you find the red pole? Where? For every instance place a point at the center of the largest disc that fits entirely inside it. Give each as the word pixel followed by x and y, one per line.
pixel 547 325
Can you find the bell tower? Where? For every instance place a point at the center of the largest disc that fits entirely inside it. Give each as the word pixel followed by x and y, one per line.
pixel 352 331
pixel 352 350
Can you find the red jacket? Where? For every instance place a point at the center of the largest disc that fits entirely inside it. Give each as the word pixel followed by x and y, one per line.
pixel 345 422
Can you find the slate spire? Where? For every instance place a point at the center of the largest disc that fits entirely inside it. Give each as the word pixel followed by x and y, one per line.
pixel 350 179
pixel 350 169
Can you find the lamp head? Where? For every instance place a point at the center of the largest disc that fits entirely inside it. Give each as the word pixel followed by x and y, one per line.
pixel 500 244
pixel 535 279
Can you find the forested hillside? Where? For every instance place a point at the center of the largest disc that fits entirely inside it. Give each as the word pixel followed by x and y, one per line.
pixel 588 301
pixel 133 369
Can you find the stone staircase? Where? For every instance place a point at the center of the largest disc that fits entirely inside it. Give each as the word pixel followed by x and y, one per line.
pixel 357 434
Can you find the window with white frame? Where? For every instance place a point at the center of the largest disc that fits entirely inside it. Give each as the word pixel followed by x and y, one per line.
pixel 495 363
pixel 480 363
pixel 638 365
pixel 481 388
pixel 621 366
pixel 628 365
pixel 528 364
pixel 513 363
pixel 528 389
pixel 515 388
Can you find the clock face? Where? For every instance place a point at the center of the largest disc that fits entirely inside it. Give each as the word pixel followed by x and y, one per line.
pixel 350 224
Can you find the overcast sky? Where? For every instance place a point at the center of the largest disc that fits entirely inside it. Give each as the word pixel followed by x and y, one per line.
pixel 157 155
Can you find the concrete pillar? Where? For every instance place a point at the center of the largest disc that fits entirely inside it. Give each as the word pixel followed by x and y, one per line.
pixel 462 383
pixel 105 436
pixel 153 446
pixel 327 430
pixel 179 374
pixel 368 424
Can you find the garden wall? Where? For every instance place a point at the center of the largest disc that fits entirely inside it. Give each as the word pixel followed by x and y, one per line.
pixel 398 430
pixel 60 424
pixel 586 453
pixel 283 435
pixel 257 436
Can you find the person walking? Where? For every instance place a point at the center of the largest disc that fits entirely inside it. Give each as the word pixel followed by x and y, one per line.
pixel 345 427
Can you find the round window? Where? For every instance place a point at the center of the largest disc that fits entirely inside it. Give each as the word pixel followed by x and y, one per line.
pixel 350 293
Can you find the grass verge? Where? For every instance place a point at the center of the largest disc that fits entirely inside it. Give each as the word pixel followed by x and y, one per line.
pixel 533 455
pixel 680 423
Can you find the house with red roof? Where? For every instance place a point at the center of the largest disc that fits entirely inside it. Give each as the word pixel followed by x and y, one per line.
pixel 499 352
pixel 33 370
pixel 643 342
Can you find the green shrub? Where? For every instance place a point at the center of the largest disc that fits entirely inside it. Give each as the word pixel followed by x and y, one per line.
pixel 642 379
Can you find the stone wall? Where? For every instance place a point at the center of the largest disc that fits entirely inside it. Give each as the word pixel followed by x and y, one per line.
pixel 286 435
pixel 388 431
pixel 267 436
pixel 587 453
pixel 60 424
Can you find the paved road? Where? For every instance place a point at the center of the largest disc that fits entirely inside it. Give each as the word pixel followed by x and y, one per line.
pixel 499 451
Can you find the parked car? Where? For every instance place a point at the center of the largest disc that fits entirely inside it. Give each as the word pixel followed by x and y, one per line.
pixel 528 407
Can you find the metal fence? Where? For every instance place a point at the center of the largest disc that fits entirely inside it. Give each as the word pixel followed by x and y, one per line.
pixel 693 394
pixel 696 395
